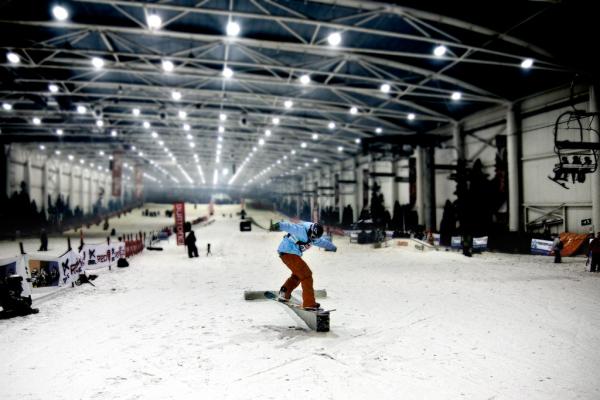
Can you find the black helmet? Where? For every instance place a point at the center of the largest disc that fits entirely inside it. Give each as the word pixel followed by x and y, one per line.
pixel 316 231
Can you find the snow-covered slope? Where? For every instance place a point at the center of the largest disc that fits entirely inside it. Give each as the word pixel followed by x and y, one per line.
pixel 408 325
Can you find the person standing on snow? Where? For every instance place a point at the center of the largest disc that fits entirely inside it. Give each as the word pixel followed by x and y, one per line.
pixel 557 246
pixel 300 237
pixel 595 253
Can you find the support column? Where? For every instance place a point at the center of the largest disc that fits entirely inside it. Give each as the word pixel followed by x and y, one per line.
pixel 420 204
pixel 459 141
pixel 594 107
pixel 44 185
pixel 72 188
pixel 59 181
pixel 428 187
pixel 81 196
pixel 359 185
pixel 514 181
pixel 90 194
pixel 395 185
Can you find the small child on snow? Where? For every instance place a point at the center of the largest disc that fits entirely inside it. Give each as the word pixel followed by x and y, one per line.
pixel 300 237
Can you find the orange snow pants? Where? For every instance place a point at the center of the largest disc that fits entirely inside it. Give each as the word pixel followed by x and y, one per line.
pixel 301 274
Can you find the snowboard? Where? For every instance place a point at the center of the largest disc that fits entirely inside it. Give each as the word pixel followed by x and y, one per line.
pixel 317 320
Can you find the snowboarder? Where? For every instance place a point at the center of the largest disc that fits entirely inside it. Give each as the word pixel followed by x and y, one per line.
pixel 208 253
pixel 300 237
pixel 190 242
pixel 595 250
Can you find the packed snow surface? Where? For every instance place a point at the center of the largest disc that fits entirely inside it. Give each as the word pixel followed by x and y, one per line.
pixel 407 325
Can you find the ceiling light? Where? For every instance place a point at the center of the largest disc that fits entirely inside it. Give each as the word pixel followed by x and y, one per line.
pixel 161 143
pixel 192 145
pixel 81 109
pixel 168 66
pixel 292 152
pixel 303 145
pixel 221 129
pixel 268 132
pixel 57 152
pixel 527 63
pixel 261 142
pixel 233 29
pixel 456 96
pixel 141 154
pixel 189 137
pixel 59 132
pixel 334 39
pixel 220 138
pixel 357 140
pixel 275 121
pixel 36 121
pixel 182 114
pixel 154 21
pixel 101 152
pixel 305 79
pixel 53 88
pixel 70 157
pixel 113 133
pixel 42 147
pixel 440 50
pixel 288 103
pixel 186 127
pixel 97 62
pixel 385 88
pixel 135 112
pixel 13 58
pixel 331 125
pixel 7 106
pixel 60 13
pixel 176 95
pixel 227 72
pixel 353 110
pixel 222 117
pixel 99 123
pixel 340 148
pixel 154 134
pixel 411 116
pixel 146 125
pixel 378 130
pixel 132 148
pixel 315 136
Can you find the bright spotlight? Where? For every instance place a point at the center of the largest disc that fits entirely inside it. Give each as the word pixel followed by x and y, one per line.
pixel 439 51
pixel 168 66
pixel 60 13
pixel 275 121
pixel 353 110
pixel 288 104
pixel 411 116
pixel 97 62
pixel 233 29
pixel 305 79
pixel 154 21
pixel 227 72
pixel 456 96
pixel 385 88
pixel 334 39
pixel 53 88
pixel 527 63
pixel 175 95
pixel 13 58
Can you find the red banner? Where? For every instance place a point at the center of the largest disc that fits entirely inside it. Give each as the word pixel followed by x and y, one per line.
pixel 117 173
pixel 179 212
pixel 139 181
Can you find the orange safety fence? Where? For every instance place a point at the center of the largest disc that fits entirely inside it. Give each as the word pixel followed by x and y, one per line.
pixel 572 242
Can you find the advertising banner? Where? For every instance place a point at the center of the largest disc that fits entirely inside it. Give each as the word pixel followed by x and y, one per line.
pixel 179 213
pixel 95 256
pixel 480 243
pixel 117 173
pixel 456 242
pixel 139 182
pixel 543 247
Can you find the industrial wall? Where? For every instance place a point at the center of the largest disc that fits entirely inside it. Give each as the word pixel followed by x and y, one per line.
pixel 536 124
pixel 50 174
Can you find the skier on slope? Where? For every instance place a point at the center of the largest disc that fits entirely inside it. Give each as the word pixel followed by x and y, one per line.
pixel 300 237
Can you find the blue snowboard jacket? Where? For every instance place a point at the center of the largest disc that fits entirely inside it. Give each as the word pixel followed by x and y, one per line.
pixel 297 240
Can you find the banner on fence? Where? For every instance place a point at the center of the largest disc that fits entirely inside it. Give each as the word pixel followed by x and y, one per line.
pixel 179 213
pixel 436 239
pixel 543 247
pixel 95 256
pixel 117 173
pixel 456 242
pixel 480 243
pixel 16 266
